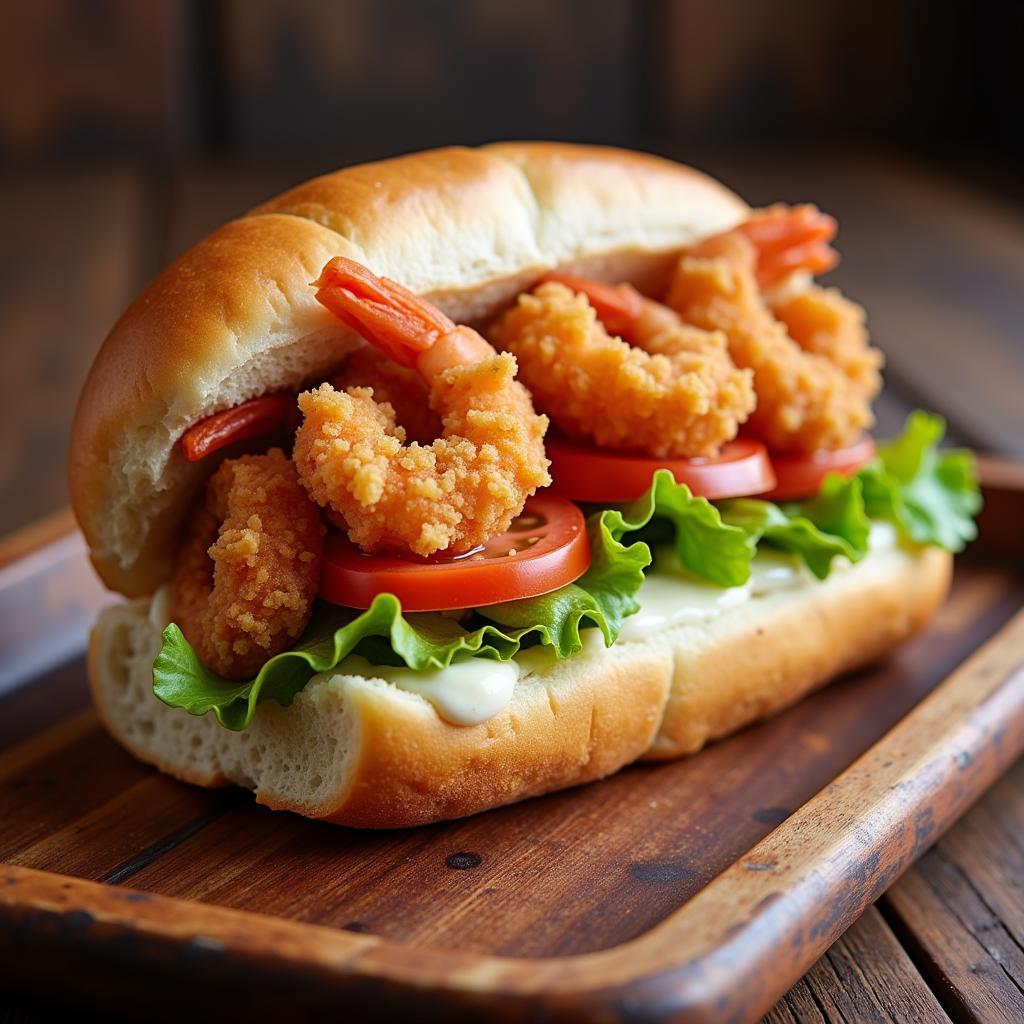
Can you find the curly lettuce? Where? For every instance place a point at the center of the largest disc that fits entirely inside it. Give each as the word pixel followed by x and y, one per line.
pixel 832 524
pixel 930 494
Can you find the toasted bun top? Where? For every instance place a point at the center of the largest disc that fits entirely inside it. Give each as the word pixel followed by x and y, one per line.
pixel 236 316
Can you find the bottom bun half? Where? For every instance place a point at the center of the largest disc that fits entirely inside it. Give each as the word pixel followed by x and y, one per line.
pixel 362 752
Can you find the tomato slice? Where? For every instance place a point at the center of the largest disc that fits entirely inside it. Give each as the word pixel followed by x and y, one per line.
pixel 545 548
pixel 585 473
pixel 802 476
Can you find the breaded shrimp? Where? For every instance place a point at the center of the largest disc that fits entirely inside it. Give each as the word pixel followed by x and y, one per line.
pixel 825 322
pixel 400 387
pixel 249 566
pixel 450 495
pixel 814 372
pixel 676 394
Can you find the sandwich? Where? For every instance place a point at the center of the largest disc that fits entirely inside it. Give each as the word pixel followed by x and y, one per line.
pixel 443 482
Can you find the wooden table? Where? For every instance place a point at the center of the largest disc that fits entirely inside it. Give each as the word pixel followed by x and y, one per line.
pixel 941 271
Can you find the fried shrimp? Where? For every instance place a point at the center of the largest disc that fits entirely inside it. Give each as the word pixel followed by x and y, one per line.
pixel 622 371
pixel 400 387
pixel 249 566
pixel 814 371
pixel 351 453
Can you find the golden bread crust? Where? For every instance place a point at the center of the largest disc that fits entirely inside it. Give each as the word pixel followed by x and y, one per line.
pixel 765 666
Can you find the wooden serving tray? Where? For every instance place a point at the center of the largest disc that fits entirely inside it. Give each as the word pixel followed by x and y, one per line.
pixel 697 891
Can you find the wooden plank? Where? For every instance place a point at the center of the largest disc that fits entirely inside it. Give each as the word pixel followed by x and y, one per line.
pixel 567 71
pixel 71 96
pixel 999 525
pixel 750 76
pixel 813 875
pixel 40 702
pixel 56 781
pixel 961 910
pixel 110 840
pixel 202 197
pixel 865 976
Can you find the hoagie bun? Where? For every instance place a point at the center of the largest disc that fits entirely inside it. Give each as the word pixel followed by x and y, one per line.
pixel 236 317
pixel 362 752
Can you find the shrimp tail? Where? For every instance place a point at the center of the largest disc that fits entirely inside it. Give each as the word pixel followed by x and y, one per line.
pixel 396 320
pixel 352 457
pixel 618 306
pixel 789 238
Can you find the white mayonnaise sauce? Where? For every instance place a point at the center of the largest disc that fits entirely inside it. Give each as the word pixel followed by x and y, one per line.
pixel 771 571
pixel 542 658
pixel 883 537
pixel 466 693
pixel 670 596
pixel 160 607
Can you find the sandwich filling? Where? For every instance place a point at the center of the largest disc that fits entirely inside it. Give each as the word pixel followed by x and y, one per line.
pixel 712 441
pixel 662 560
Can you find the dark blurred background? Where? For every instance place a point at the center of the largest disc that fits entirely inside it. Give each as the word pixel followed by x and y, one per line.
pixel 129 128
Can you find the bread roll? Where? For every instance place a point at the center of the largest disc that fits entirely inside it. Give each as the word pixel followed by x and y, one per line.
pixel 362 752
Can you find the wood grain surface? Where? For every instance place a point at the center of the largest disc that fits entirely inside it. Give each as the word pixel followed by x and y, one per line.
pixel 761 850
pixel 961 913
pixel 865 976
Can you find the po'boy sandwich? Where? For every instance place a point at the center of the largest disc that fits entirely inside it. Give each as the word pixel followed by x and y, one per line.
pixel 446 481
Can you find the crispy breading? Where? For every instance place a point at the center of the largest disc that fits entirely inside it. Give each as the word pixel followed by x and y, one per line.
pixel 814 371
pixel 679 395
pixel 401 387
pixel 452 494
pixel 249 566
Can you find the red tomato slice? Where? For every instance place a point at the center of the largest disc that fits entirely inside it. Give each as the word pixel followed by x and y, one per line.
pixel 545 548
pixel 585 473
pixel 802 476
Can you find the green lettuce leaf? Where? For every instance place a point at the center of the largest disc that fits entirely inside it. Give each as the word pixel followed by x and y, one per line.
pixel 833 523
pixel 705 545
pixel 931 495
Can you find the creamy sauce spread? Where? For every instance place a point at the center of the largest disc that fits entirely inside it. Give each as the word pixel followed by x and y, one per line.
pixel 883 537
pixel 670 595
pixel 466 693
pixel 771 571
pixel 534 660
